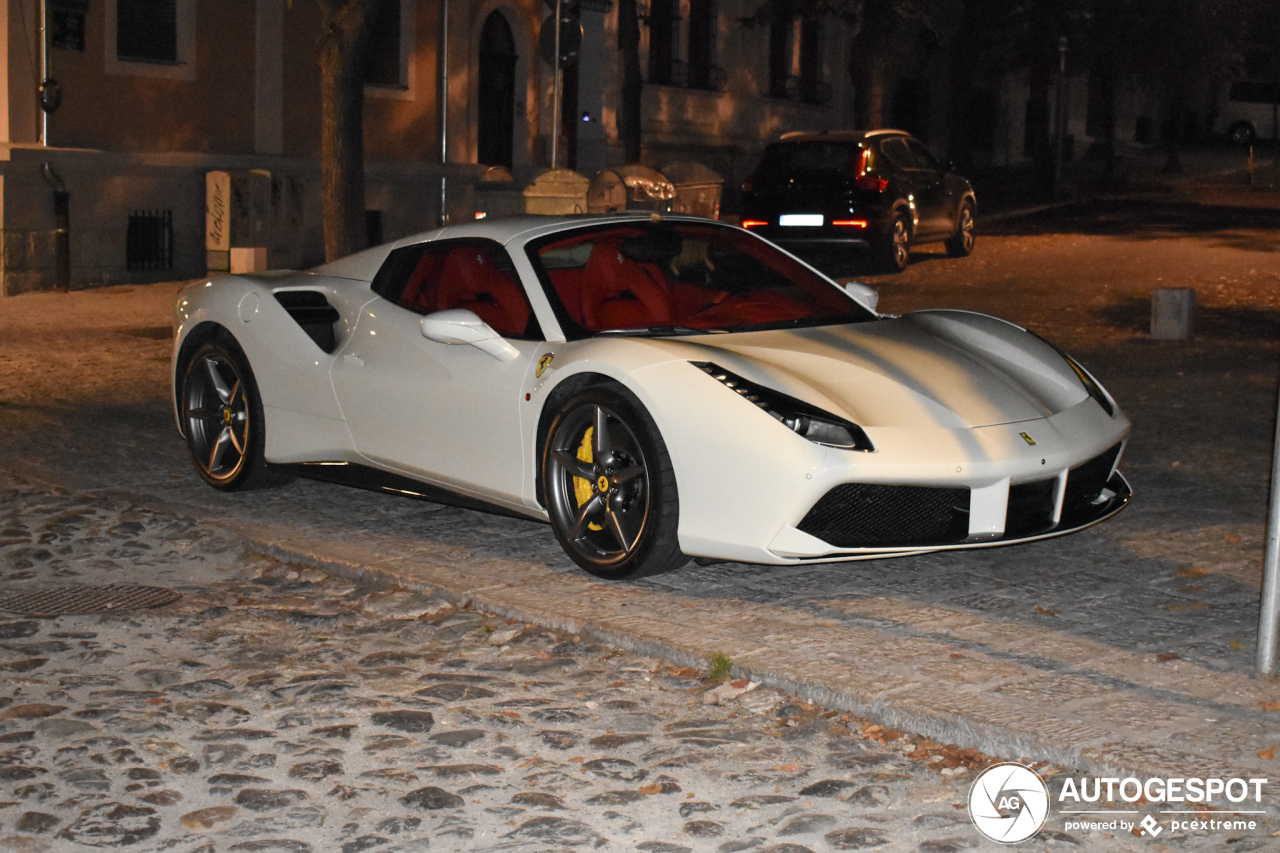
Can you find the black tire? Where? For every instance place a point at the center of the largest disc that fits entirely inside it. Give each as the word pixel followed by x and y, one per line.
pixel 1242 133
pixel 610 488
pixel 222 419
pixel 960 244
pixel 894 249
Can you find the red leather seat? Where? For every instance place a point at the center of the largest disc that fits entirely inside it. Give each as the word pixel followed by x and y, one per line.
pixel 469 280
pixel 620 294
pixel 418 291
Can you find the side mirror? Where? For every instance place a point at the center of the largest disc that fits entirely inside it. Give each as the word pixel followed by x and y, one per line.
pixel 460 326
pixel 864 294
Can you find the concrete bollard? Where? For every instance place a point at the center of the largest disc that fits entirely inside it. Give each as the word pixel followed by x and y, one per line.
pixel 1173 313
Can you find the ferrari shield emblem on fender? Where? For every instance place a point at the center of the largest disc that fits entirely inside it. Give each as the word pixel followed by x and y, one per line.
pixel 1028 439
pixel 543 364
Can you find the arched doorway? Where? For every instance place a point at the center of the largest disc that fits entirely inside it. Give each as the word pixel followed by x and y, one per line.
pixel 497 90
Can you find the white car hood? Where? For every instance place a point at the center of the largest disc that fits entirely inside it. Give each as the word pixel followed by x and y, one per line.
pixel 941 371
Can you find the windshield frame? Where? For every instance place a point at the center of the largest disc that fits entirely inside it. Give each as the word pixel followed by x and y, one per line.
pixel 786 264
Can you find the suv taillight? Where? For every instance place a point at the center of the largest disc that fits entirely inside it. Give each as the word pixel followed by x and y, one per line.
pixel 865 181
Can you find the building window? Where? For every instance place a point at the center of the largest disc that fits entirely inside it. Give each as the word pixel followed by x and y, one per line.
pixel 496 92
pixel 147 31
pixel 813 90
pixel 66 23
pixel 149 240
pixel 387 71
pixel 664 44
pixel 703 72
pixel 382 65
pixel 150 38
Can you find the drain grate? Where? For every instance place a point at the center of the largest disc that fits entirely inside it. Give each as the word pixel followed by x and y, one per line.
pixel 78 598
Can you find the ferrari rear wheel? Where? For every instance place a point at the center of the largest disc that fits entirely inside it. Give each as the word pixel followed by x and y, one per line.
pixel 610 488
pixel 222 419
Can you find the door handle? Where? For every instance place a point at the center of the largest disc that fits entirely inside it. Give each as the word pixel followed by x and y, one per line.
pixel 353 360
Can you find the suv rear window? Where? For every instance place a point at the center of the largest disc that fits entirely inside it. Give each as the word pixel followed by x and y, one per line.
pixel 808 158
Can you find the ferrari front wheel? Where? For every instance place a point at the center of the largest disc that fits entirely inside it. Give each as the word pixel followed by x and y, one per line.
pixel 610 487
pixel 222 418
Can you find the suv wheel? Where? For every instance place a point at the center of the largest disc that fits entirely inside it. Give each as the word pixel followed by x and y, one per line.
pixel 960 244
pixel 895 247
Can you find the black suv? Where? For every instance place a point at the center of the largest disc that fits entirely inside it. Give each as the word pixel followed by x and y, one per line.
pixel 876 188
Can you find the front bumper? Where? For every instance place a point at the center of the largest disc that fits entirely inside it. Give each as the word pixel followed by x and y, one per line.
pixel 978 487
pixel 905 533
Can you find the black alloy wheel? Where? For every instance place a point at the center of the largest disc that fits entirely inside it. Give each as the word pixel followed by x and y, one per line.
pixel 895 250
pixel 222 419
pixel 960 244
pixel 610 488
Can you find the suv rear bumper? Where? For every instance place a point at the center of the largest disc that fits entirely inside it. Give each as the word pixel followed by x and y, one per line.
pixel 824 235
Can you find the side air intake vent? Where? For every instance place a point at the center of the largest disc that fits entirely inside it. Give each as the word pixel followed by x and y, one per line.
pixel 310 310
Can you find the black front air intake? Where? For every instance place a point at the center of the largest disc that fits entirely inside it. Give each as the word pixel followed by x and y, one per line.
pixel 1086 482
pixel 1031 508
pixel 862 515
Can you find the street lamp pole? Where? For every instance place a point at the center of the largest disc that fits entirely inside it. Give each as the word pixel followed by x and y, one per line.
pixel 1269 614
pixel 44 70
pixel 444 110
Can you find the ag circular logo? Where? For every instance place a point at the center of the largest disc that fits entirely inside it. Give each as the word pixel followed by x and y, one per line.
pixel 1008 803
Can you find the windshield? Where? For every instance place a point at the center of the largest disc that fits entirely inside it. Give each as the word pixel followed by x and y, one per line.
pixel 672 278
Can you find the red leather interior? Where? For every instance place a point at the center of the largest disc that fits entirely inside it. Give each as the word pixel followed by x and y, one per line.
pixel 469 280
pixel 618 293
pixel 418 292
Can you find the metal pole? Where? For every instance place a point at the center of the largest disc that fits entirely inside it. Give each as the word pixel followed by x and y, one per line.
pixel 444 110
pixel 1060 115
pixel 44 69
pixel 1269 616
pixel 555 103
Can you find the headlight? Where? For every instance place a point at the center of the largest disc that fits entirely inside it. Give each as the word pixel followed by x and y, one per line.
pixel 1086 379
pixel 813 423
pixel 1091 385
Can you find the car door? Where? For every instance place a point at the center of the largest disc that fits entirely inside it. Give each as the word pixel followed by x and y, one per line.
pixel 937 210
pixel 447 413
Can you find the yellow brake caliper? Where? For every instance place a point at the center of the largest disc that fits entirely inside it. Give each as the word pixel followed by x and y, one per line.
pixel 582 486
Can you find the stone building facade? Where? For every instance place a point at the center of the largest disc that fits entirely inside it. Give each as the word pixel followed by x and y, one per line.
pixel 157 94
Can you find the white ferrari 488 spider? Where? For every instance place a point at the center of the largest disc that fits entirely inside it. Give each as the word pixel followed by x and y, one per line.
pixel 657 388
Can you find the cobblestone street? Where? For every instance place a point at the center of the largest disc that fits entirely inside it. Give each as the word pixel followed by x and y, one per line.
pixel 281 709
pixel 347 671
